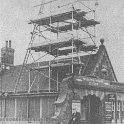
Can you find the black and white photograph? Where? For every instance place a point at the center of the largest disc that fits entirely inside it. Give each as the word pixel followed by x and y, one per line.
pixel 61 61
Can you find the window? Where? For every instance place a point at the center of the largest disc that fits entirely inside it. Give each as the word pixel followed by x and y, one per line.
pixel 122 105
pixel 113 110
pixel 118 106
pixel 113 106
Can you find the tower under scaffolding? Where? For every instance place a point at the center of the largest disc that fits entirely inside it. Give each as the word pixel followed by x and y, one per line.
pixel 60 67
pixel 77 74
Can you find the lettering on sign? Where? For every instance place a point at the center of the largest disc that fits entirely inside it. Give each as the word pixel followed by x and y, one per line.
pixel 76 104
pixel 108 111
pixel 111 97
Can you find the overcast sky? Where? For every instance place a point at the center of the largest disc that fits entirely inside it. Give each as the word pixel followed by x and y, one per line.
pixel 15 15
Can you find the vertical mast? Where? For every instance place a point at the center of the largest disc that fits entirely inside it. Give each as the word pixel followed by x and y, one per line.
pixel 1 90
pixel 72 40
pixel 50 52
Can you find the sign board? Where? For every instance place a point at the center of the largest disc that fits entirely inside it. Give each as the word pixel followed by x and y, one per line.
pixel 76 104
pixel 111 97
pixel 108 111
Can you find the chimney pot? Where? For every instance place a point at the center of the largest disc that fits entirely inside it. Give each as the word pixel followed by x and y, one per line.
pixel 6 43
pixel 9 43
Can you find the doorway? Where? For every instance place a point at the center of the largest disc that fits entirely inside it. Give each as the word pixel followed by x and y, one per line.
pixel 93 109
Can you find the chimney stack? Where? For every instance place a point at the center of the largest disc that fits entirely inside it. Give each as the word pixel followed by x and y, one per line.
pixel 7 54
pixel 9 43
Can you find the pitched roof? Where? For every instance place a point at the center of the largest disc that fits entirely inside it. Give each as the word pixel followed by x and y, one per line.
pixel 9 77
pixel 90 65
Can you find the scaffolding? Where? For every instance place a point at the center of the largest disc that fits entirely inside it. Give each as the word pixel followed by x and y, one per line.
pixel 57 24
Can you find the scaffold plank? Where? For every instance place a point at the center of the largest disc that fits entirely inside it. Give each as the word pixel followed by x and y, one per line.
pixel 59 17
pixel 56 45
pixel 58 65
pixel 76 26
pixel 88 48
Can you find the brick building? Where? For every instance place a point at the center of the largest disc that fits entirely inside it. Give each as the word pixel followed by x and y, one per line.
pixel 46 92
pixel 89 89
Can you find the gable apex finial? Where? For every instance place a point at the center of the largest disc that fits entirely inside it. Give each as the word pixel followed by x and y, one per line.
pixel 102 41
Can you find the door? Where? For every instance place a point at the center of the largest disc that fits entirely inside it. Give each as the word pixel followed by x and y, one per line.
pixel 92 112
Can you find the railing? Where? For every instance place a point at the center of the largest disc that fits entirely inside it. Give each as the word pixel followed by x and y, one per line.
pixel 26 119
pixel 10 120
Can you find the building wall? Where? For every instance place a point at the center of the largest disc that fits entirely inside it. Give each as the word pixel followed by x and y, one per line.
pixel 48 107
pixel 2 112
pixel 51 106
pixel 34 108
pixel 10 107
pixel 45 107
pixel 117 107
pixel 22 108
pixel 83 94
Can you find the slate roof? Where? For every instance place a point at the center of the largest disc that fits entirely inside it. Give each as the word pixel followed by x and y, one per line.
pixel 9 77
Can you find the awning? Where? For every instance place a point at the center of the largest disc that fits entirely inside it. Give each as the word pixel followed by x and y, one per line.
pixel 98 84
